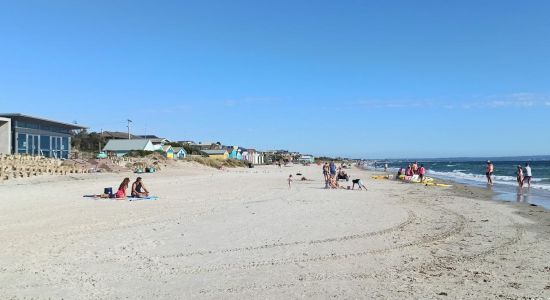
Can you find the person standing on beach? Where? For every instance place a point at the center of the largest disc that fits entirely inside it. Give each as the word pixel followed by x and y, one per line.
pixel 421 173
pixel 415 168
pixel 527 174
pixel 290 181
pixel 332 167
pixel 489 172
pixel 385 167
pixel 326 171
pixel 519 177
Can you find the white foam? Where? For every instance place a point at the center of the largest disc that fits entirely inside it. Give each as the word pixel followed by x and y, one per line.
pixel 479 178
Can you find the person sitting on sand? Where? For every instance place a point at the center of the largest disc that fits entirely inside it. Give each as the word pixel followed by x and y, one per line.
pixel 121 193
pixel 400 172
pixel 359 183
pixel 138 189
pixel 333 183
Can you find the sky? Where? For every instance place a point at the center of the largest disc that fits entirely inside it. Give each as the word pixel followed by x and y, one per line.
pixel 361 79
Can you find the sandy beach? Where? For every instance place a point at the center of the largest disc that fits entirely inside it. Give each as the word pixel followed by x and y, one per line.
pixel 242 233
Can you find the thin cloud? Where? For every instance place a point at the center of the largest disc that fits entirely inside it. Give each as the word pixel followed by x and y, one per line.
pixel 515 100
pixel 393 103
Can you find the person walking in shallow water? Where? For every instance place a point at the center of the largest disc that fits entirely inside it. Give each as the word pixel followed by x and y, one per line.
pixel 527 174
pixel 489 172
pixel 519 177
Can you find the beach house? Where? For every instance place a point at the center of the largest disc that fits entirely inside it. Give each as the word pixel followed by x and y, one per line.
pixel 168 151
pixel 24 134
pixel 159 143
pixel 308 159
pixel 122 147
pixel 253 156
pixel 216 154
pixel 179 153
pixel 235 153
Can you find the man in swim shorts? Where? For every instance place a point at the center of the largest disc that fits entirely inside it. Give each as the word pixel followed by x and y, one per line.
pixel 332 169
pixel 527 174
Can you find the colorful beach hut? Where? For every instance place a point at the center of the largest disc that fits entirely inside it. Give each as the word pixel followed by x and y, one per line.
pixel 216 154
pixel 168 151
pixel 179 153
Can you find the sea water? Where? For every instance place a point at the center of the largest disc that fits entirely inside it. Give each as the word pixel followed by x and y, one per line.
pixel 472 172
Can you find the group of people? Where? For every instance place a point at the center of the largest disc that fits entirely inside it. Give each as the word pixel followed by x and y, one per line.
pixel 332 174
pixel 138 189
pixel 523 175
pixel 413 169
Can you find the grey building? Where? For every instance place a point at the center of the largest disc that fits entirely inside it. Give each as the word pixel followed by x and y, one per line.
pixel 25 134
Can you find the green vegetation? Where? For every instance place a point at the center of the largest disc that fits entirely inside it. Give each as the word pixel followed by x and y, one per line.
pixel 141 153
pixel 217 163
pixel 85 141
pixel 188 148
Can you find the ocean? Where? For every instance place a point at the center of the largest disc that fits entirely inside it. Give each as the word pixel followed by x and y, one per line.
pixel 472 172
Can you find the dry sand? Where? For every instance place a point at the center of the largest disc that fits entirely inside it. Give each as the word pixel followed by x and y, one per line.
pixel 241 233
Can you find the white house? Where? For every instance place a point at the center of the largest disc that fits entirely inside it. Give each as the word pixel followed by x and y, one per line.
pixel 122 147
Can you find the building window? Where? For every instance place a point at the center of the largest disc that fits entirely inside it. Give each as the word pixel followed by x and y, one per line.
pixel 45 145
pixel 21 143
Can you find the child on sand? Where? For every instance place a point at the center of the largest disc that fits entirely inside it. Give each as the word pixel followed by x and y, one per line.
pixel 290 181
pixel 359 183
pixel 121 193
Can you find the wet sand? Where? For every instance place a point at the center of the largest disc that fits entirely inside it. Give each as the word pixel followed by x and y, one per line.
pixel 242 233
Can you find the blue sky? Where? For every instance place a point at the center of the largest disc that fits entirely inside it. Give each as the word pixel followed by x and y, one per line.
pixel 353 78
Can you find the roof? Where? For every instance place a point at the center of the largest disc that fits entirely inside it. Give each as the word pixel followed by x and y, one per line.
pixel 158 140
pixel 214 152
pixel 178 149
pixel 126 145
pixel 117 135
pixel 148 136
pixel 27 117
pixel 166 148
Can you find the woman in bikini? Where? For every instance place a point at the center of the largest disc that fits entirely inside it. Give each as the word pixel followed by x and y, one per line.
pixel 519 177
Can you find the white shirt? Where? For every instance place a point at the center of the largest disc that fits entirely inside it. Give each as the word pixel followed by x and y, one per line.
pixel 528 171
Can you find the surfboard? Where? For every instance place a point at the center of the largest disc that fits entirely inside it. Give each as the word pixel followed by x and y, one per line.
pixel 143 198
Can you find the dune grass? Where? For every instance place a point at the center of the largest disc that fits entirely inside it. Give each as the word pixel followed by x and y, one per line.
pixel 217 163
